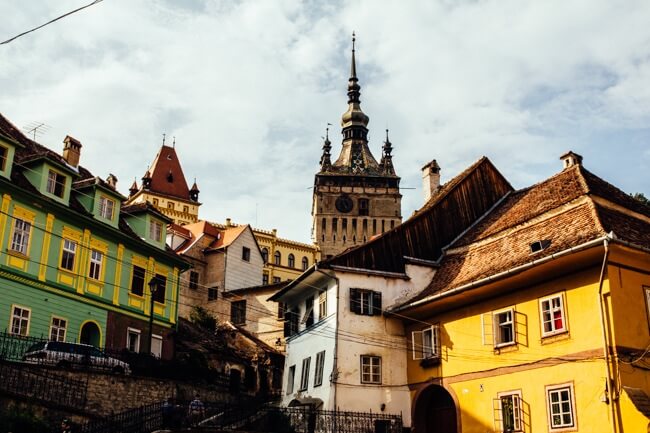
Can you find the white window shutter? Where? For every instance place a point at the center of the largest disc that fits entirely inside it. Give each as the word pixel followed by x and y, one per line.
pixel 487 329
pixel 436 340
pixel 416 338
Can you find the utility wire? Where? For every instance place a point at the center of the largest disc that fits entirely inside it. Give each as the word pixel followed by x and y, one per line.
pixel 51 21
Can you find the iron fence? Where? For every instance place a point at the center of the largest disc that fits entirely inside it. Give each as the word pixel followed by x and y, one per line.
pixel 43 385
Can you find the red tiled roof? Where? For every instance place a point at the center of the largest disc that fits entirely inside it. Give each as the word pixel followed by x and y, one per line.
pixel 167 175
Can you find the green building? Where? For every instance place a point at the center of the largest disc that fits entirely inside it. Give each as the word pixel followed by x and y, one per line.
pixel 76 265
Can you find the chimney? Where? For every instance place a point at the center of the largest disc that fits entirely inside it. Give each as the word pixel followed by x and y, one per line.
pixel 570 159
pixel 71 150
pixel 111 180
pixel 430 179
pixel 228 222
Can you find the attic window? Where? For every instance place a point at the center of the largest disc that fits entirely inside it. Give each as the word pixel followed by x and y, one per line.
pixel 170 177
pixel 540 245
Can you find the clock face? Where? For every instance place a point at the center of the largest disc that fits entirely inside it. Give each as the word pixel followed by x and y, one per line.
pixel 344 204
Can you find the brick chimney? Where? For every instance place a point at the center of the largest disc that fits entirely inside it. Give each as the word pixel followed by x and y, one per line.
pixel 430 179
pixel 71 150
pixel 570 159
pixel 111 180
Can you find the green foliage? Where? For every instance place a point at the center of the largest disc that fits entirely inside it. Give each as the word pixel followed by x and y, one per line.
pixel 15 419
pixel 641 197
pixel 202 318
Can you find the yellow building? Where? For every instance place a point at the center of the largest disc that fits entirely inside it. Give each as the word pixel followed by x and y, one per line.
pixel 538 318
pixel 164 186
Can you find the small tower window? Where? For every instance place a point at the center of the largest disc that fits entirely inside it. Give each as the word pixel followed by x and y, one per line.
pixel 363 207
pixel 540 245
pixel 277 258
pixel 292 261
pixel 265 255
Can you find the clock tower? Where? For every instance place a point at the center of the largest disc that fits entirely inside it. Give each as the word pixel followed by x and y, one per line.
pixel 355 197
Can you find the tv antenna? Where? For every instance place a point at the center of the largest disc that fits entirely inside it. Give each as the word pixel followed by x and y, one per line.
pixel 36 129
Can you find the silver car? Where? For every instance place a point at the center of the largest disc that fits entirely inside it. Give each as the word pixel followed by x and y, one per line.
pixel 70 355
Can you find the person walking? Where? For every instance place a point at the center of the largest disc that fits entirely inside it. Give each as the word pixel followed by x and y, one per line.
pixel 196 411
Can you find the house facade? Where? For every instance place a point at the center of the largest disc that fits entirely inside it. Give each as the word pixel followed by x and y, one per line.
pixel 75 265
pixel 537 318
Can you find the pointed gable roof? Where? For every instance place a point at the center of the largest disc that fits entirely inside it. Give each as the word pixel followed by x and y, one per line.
pixel 167 175
pixel 453 209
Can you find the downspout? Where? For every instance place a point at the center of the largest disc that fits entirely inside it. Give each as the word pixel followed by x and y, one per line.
pixel 335 372
pixel 611 388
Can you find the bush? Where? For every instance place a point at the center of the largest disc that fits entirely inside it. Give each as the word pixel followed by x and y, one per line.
pixel 202 318
pixel 15 419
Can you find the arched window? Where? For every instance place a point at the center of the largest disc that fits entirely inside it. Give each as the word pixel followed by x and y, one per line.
pixel 265 254
pixel 277 257
pixel 305 263
pixel 292 261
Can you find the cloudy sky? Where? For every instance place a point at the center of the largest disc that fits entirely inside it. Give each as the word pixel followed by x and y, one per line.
pixel 248 87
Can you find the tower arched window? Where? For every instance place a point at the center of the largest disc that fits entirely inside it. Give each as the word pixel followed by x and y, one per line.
pixel 292 261
pixel 305 263
pixel 277 257
pixel 265 254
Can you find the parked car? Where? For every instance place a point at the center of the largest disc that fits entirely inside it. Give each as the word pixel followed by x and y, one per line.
pixel 70 355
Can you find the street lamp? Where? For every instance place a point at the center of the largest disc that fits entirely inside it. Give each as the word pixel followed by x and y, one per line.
pixel 153 288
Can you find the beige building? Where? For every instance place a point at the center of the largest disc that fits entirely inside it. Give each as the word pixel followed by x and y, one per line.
pixel 356 197
pixel 164 186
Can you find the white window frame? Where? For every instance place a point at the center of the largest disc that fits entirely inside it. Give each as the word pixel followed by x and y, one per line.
pixel 320 365
pixel 646 291
pixel 370 369
pixel 137 333
pixel 426 343
pixel 106 207
pixel 550 309
pixel 517 412
pixel 322 305
pixel 291 377
pixel 70 248
pixel 158 338
pixel 95 265
pixel 54 179
pixel 20 320
pixel 155 230
pixel 20 236
pixel 304 375
pixel 498 325
pixel 550 406
pixel 58 330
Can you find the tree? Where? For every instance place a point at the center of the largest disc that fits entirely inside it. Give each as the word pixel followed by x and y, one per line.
pixel 641 197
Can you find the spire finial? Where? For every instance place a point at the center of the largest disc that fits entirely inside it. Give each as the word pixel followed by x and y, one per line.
pixel 327 131
pixel 174 143
pixel 353 67
pixel 386 134
pixel 164 136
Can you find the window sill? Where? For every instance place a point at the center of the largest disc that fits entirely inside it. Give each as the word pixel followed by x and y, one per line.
pixel 555 337
pixel 505 347
pixel 431 361
pixel 17 254
pixel 371 383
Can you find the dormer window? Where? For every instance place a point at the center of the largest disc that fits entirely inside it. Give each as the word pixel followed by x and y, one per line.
pixel 106 207
pixel 55 183
pixel 4 154
pixel 155 230
pixel 540 245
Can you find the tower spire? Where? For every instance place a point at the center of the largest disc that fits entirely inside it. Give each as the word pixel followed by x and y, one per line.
pixel 386 158
pixel 354 117
pixel 325 159
pixel 353 66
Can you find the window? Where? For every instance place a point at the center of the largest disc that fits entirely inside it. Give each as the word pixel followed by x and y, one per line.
pixel 277 257
pixel 305 263
pixel 20 320
pixel 308 318
pixel 67 254
pixel 282 307
pixel 156 345
pixel 265 278
pixel 320 364
pixel 552 309
pixel 57 329
pixel 291 318
pixel 137 281
pixel 133 340
pixel 106 207
pixel 509 413
pixel 370 369
pixel 3 157
pixel 194 280
pixel 170 205
pixel 560 406
pixel 246 254
pixel 290 379
pixel 504 328
pixel 20 239
pixel 292 261
pixel 426 343
pixel 276 280
pixel 322 305
pixel 265 255
pixel 55 183
pixel 95 270
pixel 155 230
pixel 213 293
pixel 159 291
pixel 363 207
pixel 304 376
pixel 238 312
pixel 186 209
pixel 155 202
pixel 365 302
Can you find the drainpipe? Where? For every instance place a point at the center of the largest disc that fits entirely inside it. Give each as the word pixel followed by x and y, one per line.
pixel 611 386
pixel 336 333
